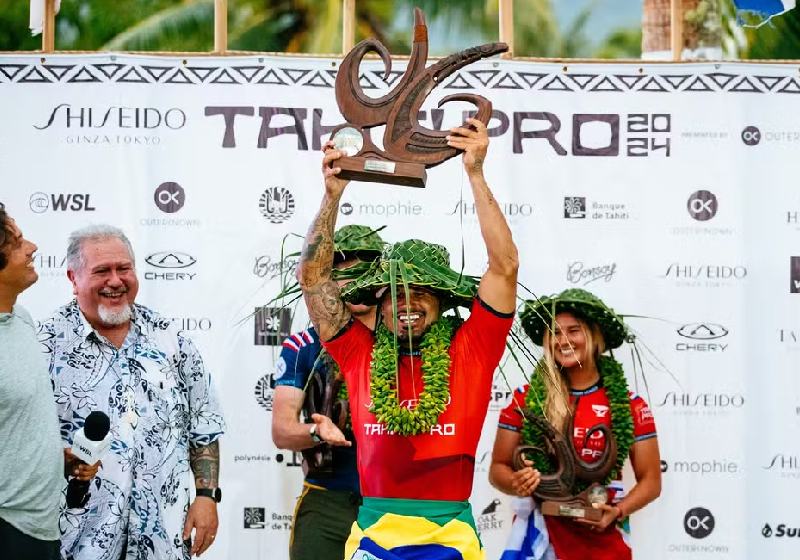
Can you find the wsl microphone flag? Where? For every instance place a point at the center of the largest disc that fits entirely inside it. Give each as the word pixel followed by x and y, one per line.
pixel 88 445
pixel 764 10
pixel 37 15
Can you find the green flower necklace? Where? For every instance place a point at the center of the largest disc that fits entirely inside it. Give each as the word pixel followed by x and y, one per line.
pixel 435 350
pixel 613 379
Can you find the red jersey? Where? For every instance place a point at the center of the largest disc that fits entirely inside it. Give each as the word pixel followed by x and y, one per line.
pixel 438 465
pixel 570 540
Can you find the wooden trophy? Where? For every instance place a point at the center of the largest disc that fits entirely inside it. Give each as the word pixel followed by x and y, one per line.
pixel 408 147
pixel 557 493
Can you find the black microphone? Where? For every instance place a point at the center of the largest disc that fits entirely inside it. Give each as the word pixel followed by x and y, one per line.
pixel 88 445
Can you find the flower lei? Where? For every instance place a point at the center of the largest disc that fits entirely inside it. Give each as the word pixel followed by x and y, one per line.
pixel 613 379
pixel 432 401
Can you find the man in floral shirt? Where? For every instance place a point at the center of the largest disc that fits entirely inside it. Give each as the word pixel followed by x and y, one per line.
pixel 110 354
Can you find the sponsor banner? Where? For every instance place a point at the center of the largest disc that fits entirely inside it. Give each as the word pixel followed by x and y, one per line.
pixel 665 189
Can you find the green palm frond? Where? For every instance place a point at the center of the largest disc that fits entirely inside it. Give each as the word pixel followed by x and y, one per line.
pixel 187 26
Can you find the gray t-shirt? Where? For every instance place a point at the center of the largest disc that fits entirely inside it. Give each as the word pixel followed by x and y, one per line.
pixel 31 456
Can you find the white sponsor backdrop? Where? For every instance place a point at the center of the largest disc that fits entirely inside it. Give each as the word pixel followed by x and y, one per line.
pixel 597 167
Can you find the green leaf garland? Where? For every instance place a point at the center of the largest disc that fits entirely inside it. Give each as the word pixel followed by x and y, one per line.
pixel 613 379
pixel 432 401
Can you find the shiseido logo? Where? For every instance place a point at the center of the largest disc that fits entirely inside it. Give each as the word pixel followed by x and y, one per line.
pixel 787 465
pixel 170 259
pixel 698 523
pixel 271 325
pixel 580 273
pixel 269 268
pixel 702 205
pixel 702 402
pixel 114 117
pixel 169 197
pixel 173 260
pixel 702 332
pixel 254 517
pixel 509 209
pixel 193 324
pixel 276 204
pixel 40 202
pixel 264 392
pixel 705 272
pixel 781 530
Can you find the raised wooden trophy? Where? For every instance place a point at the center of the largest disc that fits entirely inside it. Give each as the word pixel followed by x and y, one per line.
pixel 557 492
pixel 408 147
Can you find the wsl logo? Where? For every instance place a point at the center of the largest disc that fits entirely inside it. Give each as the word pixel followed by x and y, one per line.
pixel 40 202
pixel 276 204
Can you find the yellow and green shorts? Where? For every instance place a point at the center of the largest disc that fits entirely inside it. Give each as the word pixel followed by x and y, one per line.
pixel 398 529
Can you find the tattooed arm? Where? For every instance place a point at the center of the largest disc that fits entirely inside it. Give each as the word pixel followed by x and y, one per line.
pixel 202 514
pixel 205 465
pixel 326 309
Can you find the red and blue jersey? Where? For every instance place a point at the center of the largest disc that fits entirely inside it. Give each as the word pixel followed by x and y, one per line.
pixel 570 540
pixel 438 465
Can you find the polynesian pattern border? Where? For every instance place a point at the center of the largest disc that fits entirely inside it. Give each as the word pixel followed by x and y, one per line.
pixel 174 72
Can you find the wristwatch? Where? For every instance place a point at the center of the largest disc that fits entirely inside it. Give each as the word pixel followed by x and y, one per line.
pixel 312 431
pixel 213 493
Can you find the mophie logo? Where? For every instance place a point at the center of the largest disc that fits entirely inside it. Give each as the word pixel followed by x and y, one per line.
pixel 67 116
pixel 40 202
pixel 397 208
pixel 586 134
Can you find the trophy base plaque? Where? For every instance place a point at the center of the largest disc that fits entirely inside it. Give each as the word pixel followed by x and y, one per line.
pixel 571 509
pixel 373 170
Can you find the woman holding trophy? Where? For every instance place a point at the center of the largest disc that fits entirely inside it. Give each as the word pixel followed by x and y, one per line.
pixel 565 437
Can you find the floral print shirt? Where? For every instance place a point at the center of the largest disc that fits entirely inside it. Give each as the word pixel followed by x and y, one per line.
pixel 160 400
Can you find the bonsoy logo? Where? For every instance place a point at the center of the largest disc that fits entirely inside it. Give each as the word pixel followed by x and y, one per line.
pixel 751 135
pixel 276 204
pixel 698 523
pixel 169 197
pixel 574 207
pixel 794 275
pixel 702 205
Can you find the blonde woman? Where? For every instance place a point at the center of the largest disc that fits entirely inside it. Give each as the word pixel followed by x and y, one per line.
pixel 577 384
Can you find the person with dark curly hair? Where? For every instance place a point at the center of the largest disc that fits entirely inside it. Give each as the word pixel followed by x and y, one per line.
pixel 31 459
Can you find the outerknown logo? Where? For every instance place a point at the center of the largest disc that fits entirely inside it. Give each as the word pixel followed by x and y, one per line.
pixel 255 518
pixel 575 207
pixel 276 204
pixel 170 259
pixel 702 205
pixel 698 523
pixel 751 135
pixel 169 197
